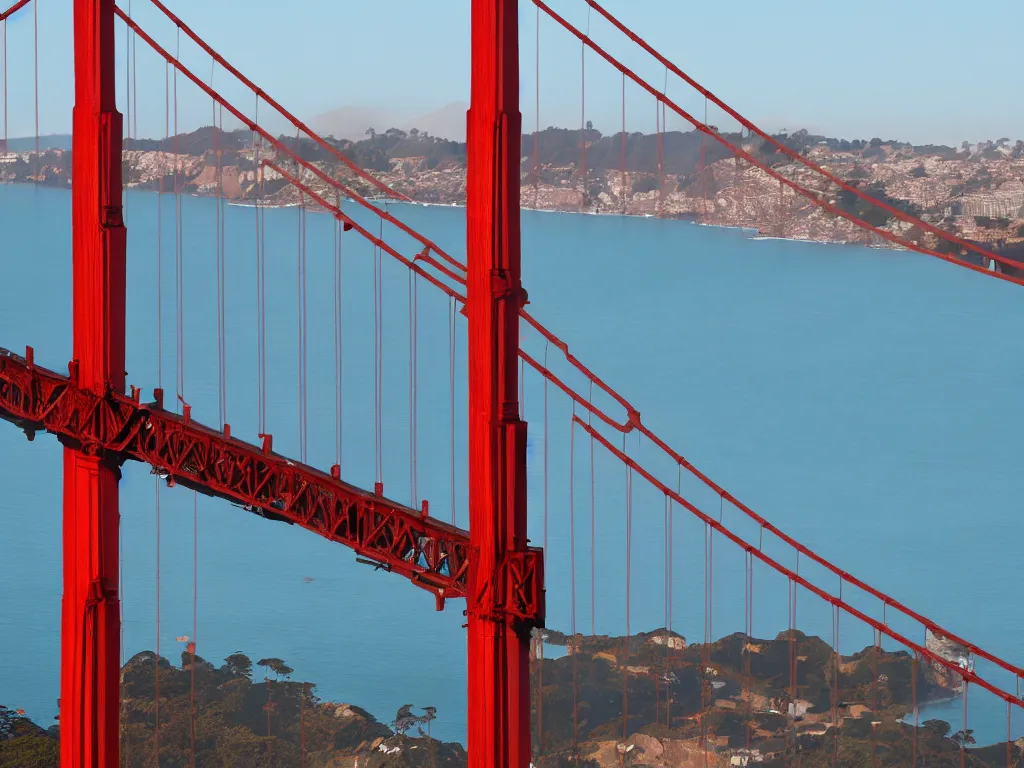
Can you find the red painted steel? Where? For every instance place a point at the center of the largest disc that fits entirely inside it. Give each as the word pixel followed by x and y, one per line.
pixel 115 428
pixel 90 615
pixel 13 9
pixel 498 729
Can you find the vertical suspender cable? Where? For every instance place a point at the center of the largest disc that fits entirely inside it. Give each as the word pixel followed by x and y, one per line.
pixel 661 177
pixel 703 161
pixel 257 183
pixel 415 390
pixel 338 340
pixel 378 349
pixel 876 641
pixel 782 223
pixel 159 383
pixel 705 650
pixel 156 660
pixel 837 691
pixel 963 741
pixel 301 282
pixel 1009 736
pixel 593 528
pixel 663 669
pixel 913 694
pixel 221 405
pixel 135 86
pixel 128 76
pixel 749 631
pixel 380 356
pixel 583 125
pixel 262 211
pixel 223 272
pixel 298 311
pixel 302 725
pixel 3 42
pixel 301 311
pixel 793 662
pixel 537 130
pixel 35 56
pixel 624 190
pixel 671 594
pixel 546 345
pixel 629 557
pixel 178 251
pixel 572 582
pixel 192 644
pixel 412 389
pixel 159 229
pixel 452 313
pixel 540 713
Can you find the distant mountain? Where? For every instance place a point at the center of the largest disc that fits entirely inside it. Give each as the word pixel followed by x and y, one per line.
pixel 448 122
pixel 352 123
pixel 28 143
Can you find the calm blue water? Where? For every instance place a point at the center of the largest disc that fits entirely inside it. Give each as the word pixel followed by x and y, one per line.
pixel 867 402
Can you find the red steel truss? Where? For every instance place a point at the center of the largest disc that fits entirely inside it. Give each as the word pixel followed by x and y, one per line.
pixel 115 428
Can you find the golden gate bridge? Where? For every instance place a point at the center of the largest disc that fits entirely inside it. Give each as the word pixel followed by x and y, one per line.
pixel 102 422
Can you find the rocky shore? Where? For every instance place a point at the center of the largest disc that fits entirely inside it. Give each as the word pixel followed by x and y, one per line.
pixel 647 700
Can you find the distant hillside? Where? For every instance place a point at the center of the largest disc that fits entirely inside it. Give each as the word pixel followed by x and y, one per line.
pixel 28 143
pixel 682 153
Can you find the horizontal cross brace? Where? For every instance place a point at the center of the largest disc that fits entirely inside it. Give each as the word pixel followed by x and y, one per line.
pixel 430 553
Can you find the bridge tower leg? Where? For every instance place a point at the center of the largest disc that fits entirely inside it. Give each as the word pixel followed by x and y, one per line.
pixel 90 621
pixel 498 648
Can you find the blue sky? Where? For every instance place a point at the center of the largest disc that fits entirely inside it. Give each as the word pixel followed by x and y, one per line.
pixel 918 70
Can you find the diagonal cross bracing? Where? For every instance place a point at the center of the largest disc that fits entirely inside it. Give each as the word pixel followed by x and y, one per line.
pixel 431 554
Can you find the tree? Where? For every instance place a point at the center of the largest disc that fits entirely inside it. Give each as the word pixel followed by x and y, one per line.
pixel 405 719
pixel 8 720
pixel 239 665
pixel 371 133
pixel 876 143
pixel 938 727
pixel 964 738
pixel 275 665
pixel 414 132
pixel 590 125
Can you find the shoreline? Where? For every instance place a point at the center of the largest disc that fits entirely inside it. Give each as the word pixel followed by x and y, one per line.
pixel 750 232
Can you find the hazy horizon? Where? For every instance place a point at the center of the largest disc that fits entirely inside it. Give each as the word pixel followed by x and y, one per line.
pixel 359 130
